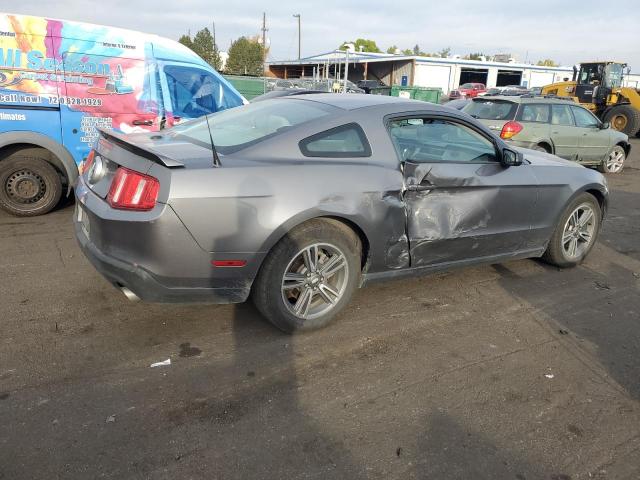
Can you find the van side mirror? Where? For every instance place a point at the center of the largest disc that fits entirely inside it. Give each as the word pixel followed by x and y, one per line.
pixel 605 126
pixel 511 158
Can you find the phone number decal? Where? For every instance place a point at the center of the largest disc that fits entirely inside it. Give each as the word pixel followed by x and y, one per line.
pixel 77 101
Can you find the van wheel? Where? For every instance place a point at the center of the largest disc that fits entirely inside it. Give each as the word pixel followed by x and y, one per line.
pixel 309 276
pixel 29 186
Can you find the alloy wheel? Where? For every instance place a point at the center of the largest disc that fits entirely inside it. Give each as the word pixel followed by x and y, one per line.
pixel 615 160
pixel 578 232
pixel 315 280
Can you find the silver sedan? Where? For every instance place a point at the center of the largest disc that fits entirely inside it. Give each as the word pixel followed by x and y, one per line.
pixel 299 201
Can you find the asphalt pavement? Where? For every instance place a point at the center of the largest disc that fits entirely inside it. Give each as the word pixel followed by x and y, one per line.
pixel 515 371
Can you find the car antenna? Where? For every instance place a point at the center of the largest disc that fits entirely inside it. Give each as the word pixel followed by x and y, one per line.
pixel 216 159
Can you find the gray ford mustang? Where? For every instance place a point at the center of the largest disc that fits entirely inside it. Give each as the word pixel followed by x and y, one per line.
pixel 298 201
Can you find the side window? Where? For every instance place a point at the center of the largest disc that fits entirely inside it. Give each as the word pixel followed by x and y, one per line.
pixel 340 142
pixel 532 112
pixel 425 140
pixel 561 115
pixel 195 92
pixel 584 118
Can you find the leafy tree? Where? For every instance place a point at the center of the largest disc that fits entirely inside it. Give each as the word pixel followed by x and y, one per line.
pixel 186 41
pixel 392 49
pixel 444 53
pixel 407 51
pixel 245 57
pixel 547 63
pixel 474 56
pixel 205 47
pixel 367 45
pixel 416 50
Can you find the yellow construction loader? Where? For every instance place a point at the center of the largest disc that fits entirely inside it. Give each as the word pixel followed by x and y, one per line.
pixel 598 86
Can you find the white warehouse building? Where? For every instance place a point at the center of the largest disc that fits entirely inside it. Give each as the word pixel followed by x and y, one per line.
pixel 444 73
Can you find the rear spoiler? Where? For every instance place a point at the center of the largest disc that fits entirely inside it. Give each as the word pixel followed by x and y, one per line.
pixel 122 141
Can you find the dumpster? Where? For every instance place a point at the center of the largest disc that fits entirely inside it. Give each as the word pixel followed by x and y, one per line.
pixel 380 91
pixel 426 94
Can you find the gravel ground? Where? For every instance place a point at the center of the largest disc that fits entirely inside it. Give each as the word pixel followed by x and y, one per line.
pixel 514 371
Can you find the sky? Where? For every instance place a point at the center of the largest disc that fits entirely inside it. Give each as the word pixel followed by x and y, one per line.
pixel 567 31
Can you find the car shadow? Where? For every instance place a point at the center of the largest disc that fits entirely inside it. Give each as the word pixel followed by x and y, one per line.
pixel 598 308
pixel 447 450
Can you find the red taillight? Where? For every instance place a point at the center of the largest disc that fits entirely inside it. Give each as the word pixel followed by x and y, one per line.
pixel 86 165
pixel 510 129
pixel 131 190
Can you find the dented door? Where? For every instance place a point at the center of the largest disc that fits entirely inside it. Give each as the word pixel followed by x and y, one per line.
pixel 461 202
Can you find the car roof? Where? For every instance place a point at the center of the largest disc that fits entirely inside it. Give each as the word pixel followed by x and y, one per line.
pixel 353 101
pixel 527 99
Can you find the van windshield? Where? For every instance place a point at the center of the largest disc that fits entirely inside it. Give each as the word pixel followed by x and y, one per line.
pixel 238 128
pixel 491 109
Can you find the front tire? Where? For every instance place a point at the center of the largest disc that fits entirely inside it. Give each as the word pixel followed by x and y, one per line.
pixel 309 276
pixel 29 186
pixel 576 232
pixel 614 163
pixel 623 118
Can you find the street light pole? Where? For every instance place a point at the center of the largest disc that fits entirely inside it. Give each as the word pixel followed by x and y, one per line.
pixel 297 15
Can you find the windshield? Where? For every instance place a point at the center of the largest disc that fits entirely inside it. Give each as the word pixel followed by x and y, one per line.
pixel 238 128
pixel 491 109
pixel 466 86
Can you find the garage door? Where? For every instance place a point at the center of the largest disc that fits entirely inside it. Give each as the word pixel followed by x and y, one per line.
pixel 432 76
pixel 540 79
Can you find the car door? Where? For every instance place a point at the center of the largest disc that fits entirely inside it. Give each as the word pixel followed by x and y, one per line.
pixel 462 204
pixel 563 132
pixel 593 141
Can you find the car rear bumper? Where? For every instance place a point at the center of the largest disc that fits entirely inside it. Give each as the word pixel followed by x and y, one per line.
pixel 153 255
pixel 144 285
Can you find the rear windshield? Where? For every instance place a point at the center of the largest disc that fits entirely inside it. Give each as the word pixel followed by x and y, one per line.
pixel 238 128
pixel 491 109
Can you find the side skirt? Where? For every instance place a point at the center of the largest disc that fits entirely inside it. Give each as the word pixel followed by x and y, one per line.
pixel 368 278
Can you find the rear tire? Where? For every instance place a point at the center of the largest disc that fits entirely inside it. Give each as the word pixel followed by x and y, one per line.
pixel 623 118
pixel 541 148
pixel 296 293
pixel 29 186
pixel 576 232
pixel 614 162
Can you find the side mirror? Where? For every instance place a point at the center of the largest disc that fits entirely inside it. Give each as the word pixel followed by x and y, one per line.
pixel 605 126
pixel 511 158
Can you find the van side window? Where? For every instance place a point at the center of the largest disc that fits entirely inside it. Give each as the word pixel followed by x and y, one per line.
pixel 193 91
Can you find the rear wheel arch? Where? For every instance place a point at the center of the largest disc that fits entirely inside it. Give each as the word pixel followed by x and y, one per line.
pixel 298 221
pixel 547 145
pixel 44 147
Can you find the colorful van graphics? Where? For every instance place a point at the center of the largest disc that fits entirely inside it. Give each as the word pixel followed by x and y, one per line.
pixel 61 80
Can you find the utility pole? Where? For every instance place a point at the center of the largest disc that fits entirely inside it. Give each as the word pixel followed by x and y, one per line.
pixel 264 52
pixel 297 15
pixel 264 37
